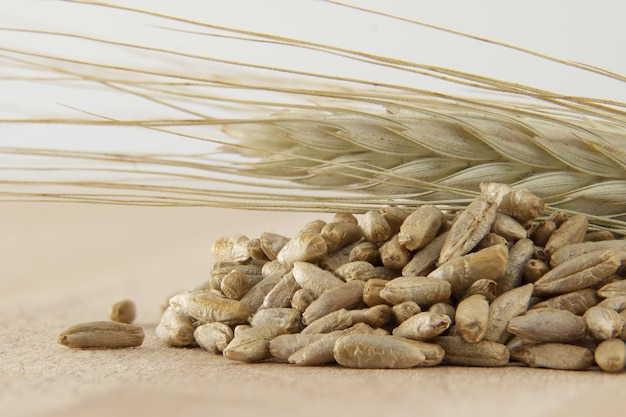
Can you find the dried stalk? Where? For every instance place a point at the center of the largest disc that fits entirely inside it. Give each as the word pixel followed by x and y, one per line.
pixel 283 138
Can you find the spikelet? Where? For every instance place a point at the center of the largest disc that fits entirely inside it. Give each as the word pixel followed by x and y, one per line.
pixel 285 137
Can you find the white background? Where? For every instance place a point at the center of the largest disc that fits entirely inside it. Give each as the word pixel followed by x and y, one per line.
pixel 581 31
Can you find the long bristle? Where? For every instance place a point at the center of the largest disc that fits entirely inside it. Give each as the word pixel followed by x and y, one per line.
pixel 281 137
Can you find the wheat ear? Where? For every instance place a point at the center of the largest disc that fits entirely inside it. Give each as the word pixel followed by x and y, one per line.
pixel 306 140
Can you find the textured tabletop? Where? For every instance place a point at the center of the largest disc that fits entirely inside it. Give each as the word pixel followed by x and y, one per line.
pixel 64 264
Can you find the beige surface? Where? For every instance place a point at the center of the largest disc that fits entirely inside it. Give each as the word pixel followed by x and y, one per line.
pixel 64 264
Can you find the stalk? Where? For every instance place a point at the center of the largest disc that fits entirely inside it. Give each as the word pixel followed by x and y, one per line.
pixel 266 136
